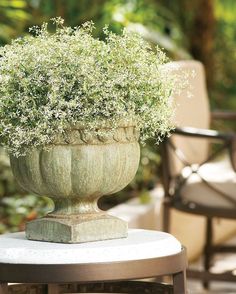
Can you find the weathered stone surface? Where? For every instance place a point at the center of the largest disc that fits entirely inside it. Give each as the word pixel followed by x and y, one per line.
pixel 83 228
pixel 75 175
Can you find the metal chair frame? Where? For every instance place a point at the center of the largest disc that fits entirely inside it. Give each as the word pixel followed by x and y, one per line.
pixel 173 197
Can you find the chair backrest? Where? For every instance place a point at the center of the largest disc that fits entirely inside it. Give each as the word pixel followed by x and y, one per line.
pixel 191 111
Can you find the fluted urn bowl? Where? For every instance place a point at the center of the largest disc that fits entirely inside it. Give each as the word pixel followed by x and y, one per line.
pixel 75 171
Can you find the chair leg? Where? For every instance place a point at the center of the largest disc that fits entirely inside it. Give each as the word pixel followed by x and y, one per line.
pixel 53 289
pixel 3 288
pixel 207 249
pixel 179 283
pixel 166 215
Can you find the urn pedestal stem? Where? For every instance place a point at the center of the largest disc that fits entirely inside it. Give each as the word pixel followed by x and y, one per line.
pixel 74 206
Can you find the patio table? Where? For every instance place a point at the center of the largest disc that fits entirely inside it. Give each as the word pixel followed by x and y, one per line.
pixel 106 266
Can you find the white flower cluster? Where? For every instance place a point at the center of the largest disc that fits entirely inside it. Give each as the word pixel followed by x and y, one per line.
pixel 50 81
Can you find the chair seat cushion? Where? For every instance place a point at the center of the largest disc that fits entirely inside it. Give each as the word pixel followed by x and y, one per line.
pixel 212 184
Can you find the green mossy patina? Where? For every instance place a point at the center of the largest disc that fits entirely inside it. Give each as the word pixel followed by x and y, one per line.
pixel 75 176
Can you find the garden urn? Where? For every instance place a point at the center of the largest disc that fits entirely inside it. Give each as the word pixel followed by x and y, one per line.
pixel 77 169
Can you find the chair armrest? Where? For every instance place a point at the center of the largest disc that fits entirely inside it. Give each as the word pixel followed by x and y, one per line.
pixel 228 138
pixel 204 133
pixel 226 115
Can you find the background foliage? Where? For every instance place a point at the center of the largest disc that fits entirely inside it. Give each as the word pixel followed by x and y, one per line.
pixel 200 29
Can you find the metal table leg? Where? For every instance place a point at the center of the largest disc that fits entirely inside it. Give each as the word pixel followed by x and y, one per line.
pixel 179 283
pixel 53 289
pixel 3 288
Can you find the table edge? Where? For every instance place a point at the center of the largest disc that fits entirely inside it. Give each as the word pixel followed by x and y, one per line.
pixel 84 272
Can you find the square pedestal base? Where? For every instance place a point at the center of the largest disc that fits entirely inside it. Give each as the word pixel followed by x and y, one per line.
pixel 77 229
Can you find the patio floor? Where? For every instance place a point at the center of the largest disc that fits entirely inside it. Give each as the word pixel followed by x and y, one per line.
pixel 215 288
pixel 222 262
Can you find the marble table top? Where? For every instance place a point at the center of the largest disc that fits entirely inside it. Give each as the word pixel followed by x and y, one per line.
pixel 140 244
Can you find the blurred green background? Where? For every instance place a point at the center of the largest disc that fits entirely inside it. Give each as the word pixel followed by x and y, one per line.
pixel 201 29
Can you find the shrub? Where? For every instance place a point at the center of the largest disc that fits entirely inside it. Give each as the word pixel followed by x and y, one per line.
pixel 50 81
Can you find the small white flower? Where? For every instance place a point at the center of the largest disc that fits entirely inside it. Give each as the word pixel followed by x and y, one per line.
pixel 52 80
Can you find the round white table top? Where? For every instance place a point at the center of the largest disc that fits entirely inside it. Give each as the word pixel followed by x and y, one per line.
pixel 140 244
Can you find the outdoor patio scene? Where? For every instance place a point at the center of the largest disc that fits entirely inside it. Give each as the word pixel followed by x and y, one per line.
pixel 117 146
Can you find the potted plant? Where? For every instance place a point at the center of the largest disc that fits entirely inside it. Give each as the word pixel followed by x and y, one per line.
pixel 72 110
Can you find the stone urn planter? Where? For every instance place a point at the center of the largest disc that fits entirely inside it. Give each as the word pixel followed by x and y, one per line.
pixel 75 172
pixel 83 84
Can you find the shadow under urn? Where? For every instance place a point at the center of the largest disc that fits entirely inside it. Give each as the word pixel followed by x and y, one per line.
pixel 75 172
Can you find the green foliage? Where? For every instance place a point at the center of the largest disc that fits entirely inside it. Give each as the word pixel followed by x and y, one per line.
pixel 120 13
pixel 18 209
pixel 7 182
pixel 13 17
pixel 51 81
pixel 224 91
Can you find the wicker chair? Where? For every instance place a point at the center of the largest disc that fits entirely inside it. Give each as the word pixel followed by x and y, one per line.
pixel 197 178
